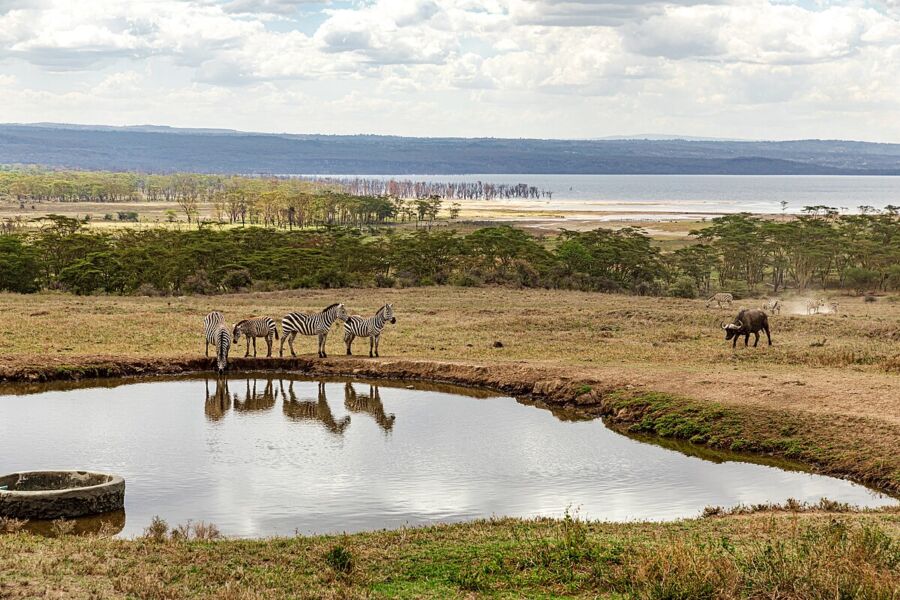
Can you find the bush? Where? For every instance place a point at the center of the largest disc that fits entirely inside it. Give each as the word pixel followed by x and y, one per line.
pixel 237 279
pixel 384 281
pixel 340 559
pixel 870 298
pixel 198 284
pixel 683 287
pixel 148 289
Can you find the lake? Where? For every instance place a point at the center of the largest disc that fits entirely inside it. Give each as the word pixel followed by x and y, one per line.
pixel 696 194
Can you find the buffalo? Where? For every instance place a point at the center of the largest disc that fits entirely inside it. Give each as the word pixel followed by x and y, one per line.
pixel 748 321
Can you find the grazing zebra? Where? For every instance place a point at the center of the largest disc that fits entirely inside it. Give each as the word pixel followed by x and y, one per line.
pixel 720 299
pixel 813 306
pixel 217 334
pixel 356 326
pixel 316 324
pixel 773 306
pixel 263 327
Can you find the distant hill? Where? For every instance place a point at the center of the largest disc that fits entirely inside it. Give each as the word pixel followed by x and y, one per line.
pixel 165 149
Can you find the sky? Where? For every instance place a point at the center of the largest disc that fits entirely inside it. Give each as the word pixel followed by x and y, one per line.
pixel 749 69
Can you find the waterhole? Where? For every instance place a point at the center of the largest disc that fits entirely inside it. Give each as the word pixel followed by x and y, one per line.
pixel 264 455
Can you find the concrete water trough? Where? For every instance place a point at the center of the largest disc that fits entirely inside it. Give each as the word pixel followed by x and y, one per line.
pixel 60 494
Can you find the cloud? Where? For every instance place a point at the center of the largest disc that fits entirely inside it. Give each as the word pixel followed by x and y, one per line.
pixel 514 67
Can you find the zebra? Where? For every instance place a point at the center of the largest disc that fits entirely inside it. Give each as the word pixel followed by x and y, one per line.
pixel 316 324
pixel 773 305
pixel 356 326
pixel 217 334
pixel 263 327
pixel 813 306
pixel 720 299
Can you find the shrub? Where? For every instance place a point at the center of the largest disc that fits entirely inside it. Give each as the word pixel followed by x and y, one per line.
pixel 683 287
pixel 384 281
pixel 237 279
pixel 340 559
pixel 198 284
pixel 157 530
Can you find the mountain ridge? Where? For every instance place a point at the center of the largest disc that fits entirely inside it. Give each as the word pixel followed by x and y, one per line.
pixel 154 148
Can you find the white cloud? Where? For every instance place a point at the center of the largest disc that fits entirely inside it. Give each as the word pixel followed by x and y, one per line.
pixel 435 67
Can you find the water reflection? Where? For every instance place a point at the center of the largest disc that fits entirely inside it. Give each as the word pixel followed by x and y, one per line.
pixel 254 400
pixel 307 409
pixel 218 403
pixel 369 404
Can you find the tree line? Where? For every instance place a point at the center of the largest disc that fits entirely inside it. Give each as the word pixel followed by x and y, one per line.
pixel 740 253
pixel 285 203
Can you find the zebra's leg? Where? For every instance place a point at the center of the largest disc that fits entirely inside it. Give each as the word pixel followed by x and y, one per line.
pixel 281 345
pixel 377 342
pixel 207 347
pixel 348 340
pixel 254 346
pixel 371 344
pixel 291 343
pixel 269 345
pixel 322 338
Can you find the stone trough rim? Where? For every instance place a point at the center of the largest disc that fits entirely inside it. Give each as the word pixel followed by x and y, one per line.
pixel 112 480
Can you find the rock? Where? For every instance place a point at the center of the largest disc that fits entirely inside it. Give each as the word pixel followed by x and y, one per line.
pixel 498 344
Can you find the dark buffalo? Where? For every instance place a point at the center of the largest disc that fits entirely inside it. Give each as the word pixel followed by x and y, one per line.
pixel 748 321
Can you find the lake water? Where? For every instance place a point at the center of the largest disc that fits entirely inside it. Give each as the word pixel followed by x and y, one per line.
pixel 263 455
pixel 697 194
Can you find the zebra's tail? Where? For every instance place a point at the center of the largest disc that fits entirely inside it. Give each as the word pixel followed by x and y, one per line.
pixel 276 331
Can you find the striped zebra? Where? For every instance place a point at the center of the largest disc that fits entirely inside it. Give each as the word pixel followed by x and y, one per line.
pixel 357 326
pixel 813 306
pixel 217 334
pixel 773 305
pixel 316 324
pixel 720 299
pixel 263 327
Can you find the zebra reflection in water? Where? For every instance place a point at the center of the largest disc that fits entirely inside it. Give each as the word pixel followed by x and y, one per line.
pixel 254 400
pixel 370 404
pixel 311 410
pixel 219 402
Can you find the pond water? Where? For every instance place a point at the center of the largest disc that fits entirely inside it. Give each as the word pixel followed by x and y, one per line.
pixel 269 455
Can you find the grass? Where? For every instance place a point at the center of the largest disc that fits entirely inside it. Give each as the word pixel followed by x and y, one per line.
pixel 659 367
pixel 767 554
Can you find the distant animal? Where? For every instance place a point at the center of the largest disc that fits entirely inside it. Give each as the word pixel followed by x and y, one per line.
pixel 813 306
pixel 217 334
pixel 315 324
pixel 749 320
pixel 263 327
pixel 773 305
pixel 371 328
pixel 720 299
pixel 834 307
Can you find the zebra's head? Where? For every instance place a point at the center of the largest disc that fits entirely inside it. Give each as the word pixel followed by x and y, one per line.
pixel 387 311
pixel 340 313
pixel 236 332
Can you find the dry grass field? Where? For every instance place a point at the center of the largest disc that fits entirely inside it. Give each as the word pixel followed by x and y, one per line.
pixel 826 394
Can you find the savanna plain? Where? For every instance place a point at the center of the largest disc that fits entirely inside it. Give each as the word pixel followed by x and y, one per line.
pixel 825 396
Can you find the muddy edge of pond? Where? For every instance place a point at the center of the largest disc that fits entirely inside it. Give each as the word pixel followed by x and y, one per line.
pixel 624 406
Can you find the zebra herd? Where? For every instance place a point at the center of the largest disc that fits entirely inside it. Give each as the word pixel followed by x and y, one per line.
pixel 293 324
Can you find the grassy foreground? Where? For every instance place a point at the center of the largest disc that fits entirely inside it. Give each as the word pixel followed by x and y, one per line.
pixel 827 394
pixel 764 555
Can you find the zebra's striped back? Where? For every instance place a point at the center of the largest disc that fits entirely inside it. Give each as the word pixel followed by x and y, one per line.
pixel 361 327
pixel 256 327
pixel 211 323
pixel 312 324
pixel 720 299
